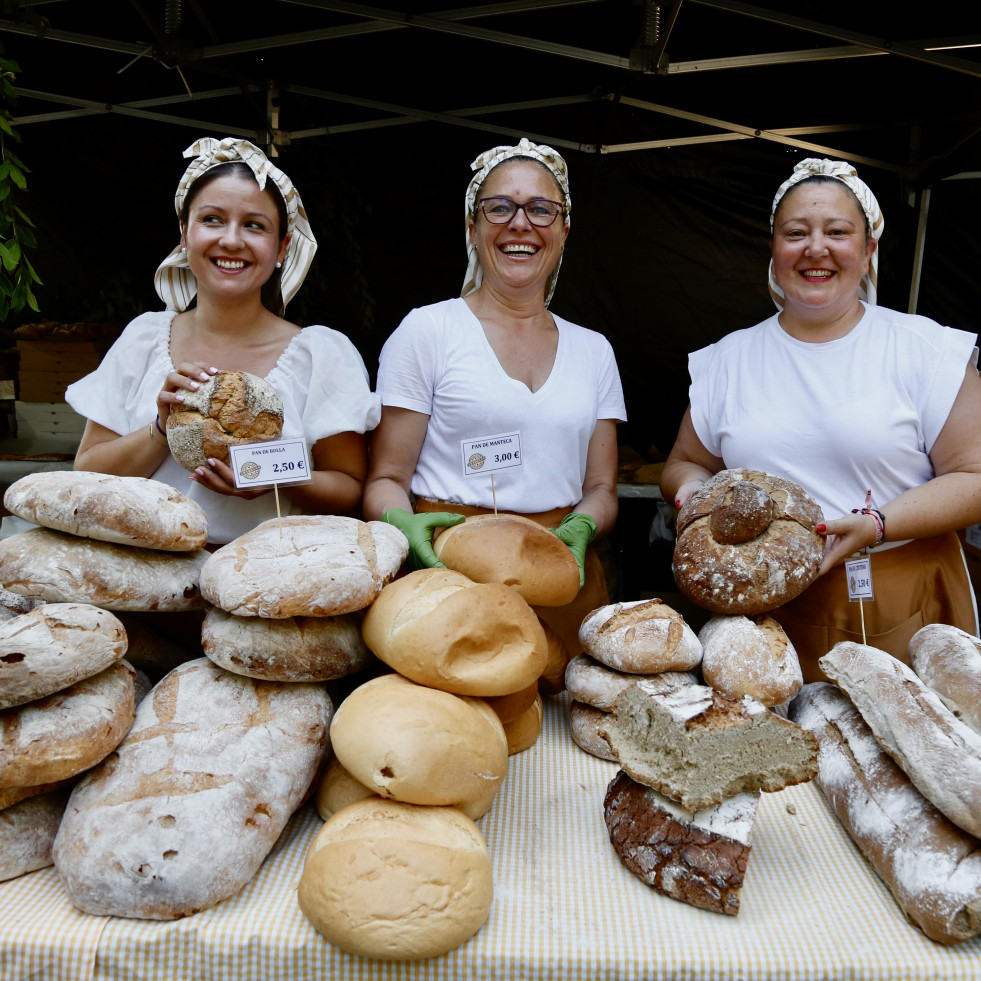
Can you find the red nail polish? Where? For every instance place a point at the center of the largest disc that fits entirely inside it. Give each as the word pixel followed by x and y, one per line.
pixel 821 528
pixel 677 503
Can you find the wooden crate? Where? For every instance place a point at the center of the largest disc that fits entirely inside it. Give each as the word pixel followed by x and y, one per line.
pixel 47 368
pixel 42 419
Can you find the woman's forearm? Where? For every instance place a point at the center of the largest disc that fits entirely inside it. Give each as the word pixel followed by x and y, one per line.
pixel 137 454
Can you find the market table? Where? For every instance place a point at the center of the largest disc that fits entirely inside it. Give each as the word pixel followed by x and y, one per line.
pixel 564 906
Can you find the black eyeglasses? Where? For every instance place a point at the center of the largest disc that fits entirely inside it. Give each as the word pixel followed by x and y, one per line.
pixel 539 211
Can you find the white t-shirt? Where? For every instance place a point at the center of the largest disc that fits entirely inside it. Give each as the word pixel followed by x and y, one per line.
pixel 840 418
pixel 440 363
pixel 320 377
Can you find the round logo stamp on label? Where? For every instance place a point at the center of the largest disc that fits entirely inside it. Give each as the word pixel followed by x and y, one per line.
pixel 476 461
pixel 250 470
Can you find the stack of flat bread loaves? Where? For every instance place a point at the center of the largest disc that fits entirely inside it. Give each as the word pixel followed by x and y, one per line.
pixel 67 699
pixel 903 773
pixel 121 543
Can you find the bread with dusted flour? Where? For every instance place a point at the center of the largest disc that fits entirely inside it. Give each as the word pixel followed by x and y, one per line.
pixel 948 659
pixel 27 832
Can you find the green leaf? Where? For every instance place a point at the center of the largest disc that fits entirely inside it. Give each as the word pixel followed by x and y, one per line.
pixel 12 256
pixel 32 302
pixel 6 127
pixel 31 272
pixel 23 217
pixel 26 238
pixel 18 178
pixel 4 190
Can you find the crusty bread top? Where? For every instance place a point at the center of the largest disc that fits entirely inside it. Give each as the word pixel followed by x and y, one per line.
pixel 514 550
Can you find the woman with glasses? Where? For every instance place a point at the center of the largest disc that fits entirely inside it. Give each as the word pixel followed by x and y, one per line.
pixel 245 249
pixel 496 367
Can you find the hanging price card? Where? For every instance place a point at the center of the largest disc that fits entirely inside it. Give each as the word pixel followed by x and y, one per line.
pixel 489 453
pixel 858 573
pixel 279 461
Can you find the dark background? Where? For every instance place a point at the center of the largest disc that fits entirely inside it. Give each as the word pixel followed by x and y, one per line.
pixel 668 247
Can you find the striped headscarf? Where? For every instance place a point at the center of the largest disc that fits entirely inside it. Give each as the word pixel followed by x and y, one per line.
pixel 846 173
pixel 174 281
pixel 483 165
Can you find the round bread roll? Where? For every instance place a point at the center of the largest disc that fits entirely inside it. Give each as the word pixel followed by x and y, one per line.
pixel 522 733
pixel 336 788
pixel 53 646
pixel 750 656
pixel 125 510
pixel 291 649
pixel 552 678
pixel 231 407
pixel 441 629
pixel 746 543
pixel 397 881
pixel 948 659
pixel 640 637
pixel 513 550
pixel 418 744
pixel 304 565
pixel 596 685
pixel 55 567
pixel 509 707
pixel 585 723
pixel 27 832
pixel 63 734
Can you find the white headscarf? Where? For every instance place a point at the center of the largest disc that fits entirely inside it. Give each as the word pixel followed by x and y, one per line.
pixel 846 173
pixel 174 281
pixel 483 165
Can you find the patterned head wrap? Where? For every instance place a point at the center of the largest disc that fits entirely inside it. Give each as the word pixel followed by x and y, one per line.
pixel 483 165
pixel 846 173
pixel 174 281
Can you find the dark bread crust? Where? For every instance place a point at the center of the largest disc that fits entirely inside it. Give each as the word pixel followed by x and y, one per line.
pixel 695 865
pixel 723 567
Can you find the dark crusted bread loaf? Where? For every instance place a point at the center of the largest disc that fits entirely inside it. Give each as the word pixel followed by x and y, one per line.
pixel 230 407
pixel 697 858
pixel 746 542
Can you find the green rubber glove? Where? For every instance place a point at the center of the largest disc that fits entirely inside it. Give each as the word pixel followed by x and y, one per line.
pixel 418 528
pixel 577 531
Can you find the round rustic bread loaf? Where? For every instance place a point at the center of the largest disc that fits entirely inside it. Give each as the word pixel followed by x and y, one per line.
pixel 522 733
pixel 59 736
pixel 125 510
pixel 27 832
pixel 596 685
pixel 231 407
pixel 419 744
pixel 304 565
pixel 185 811
pixel 55 567
pixel 291 649
pixel 397 881
pixel 640 637
pixel 948 659
pixel 53 646
pixel 585 724
pixel 513 550
pixel 750 656
pixel 746 543
pixel 441 629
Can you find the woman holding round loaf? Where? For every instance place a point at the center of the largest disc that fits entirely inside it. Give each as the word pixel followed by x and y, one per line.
pixel 497 361
pixel 245 248
pixel 845 397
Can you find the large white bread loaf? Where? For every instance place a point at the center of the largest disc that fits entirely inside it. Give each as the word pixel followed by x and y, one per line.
pixel 182 815
pixel 932 867
pixel 53 646
pixel 304 565
pixel 746 542
pixel 640 637
pixel 419 744
pixel 231 407
pixel 698 747
pixel 55 567
pixel 940 754
pixel 698 857
pixel 441 629
pixel 397 881
pixel 750 656
pixel 126 510
pixel 291 649
pixel 61 735
pixel 27 832
pixel 595 684
pixel 948 659
pixel 514 550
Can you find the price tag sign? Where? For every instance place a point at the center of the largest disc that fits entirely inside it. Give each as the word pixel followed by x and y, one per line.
pixel 858 573
pixel 277 461
pixel 488 454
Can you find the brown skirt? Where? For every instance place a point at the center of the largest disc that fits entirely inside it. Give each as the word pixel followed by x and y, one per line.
pixel 924 581
pixel 564 621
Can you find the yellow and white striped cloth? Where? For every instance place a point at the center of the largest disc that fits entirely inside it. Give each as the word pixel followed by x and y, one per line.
pixel 564 909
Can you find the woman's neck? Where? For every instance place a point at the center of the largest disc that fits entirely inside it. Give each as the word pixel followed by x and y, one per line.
pixel 820 327
pixel 521 310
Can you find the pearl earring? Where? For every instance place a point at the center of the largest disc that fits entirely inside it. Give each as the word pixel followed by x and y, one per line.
pixel 183 248
pixel 279 265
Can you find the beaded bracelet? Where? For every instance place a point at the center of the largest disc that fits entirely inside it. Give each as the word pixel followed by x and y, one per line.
pixel 880 523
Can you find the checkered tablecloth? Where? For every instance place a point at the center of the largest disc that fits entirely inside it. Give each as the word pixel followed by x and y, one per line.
pixel 564 907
